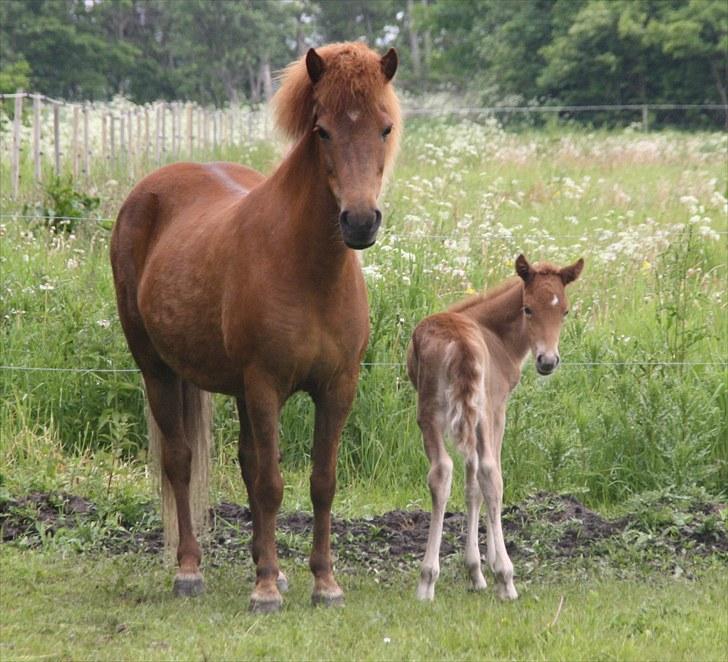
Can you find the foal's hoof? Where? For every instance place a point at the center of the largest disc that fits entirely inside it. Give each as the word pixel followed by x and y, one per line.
pixel 328 599
pixel 282 583
pixel 188 585
pixel 506 592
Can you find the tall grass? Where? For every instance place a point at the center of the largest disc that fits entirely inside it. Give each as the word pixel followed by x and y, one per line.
pixel 648 213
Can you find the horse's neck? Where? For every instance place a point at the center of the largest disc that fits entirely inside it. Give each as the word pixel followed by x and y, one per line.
pixel 311 210
pixel 502 315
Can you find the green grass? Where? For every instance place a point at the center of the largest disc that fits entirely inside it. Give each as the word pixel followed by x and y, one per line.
pixel 122 609
pixel 645 210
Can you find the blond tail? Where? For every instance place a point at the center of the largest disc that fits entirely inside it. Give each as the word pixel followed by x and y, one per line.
pixel 465 394
pixel 197 412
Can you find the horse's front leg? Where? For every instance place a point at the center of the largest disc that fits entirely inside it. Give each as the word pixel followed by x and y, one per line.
pixel 262 405
pixel 333 404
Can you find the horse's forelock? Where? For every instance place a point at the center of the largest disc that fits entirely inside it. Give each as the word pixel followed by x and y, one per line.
pixel 352 78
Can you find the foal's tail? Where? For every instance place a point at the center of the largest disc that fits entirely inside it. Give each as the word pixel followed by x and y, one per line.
pixel 197 421
pixel 465 393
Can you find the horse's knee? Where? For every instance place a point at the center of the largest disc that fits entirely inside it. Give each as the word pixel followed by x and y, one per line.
pixel 323 488
pixel 269 491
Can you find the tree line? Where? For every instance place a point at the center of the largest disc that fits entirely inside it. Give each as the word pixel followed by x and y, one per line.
pixel 497 51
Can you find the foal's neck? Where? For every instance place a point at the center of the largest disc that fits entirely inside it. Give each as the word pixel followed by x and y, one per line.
pixel 502 315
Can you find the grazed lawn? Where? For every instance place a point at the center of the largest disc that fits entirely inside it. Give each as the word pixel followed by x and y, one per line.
pixel 102 608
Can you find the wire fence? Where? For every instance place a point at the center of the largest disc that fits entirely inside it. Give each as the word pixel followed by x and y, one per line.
pixel 392 364
pixel 73 136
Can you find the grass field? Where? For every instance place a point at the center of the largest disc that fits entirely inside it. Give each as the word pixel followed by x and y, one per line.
pixel 640 402
pixel 125 616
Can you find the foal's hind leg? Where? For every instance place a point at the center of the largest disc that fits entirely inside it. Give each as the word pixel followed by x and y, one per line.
pixel 439 479
pixel 474 498
pixel 491 482
pixel 164 392
pixel 248 459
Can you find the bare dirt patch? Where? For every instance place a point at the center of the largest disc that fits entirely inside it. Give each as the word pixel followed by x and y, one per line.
pixel 543 527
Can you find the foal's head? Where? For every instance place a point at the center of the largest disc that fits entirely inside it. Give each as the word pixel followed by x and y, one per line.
pixel 340 95
pixel 544 307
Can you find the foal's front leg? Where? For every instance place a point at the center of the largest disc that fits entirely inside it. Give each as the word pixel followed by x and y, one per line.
pixel 333 404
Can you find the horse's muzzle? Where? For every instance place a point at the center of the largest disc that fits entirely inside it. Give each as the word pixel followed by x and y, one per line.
pixel 359 229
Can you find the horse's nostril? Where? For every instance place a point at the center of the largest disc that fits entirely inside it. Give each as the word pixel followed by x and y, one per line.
pixel 377 216
pixel 344 217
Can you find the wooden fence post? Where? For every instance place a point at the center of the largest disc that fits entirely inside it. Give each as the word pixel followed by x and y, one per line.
pixel 17 118
pixel 112 138
pixel 189 129
pixel 146 134
pixel 645 119
pixel 104 136
pixel 57 138
pixel 86 150
pixel 36 137
pixel 74 142
pixel 157 147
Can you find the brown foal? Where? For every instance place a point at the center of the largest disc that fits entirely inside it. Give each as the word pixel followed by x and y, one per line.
pixel 464 363
pixel 230 282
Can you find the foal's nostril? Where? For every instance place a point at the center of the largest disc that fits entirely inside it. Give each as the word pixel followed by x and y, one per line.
pixel 344 217
pixel 377 216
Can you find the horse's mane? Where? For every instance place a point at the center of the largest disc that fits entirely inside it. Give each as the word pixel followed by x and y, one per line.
pixel 352 78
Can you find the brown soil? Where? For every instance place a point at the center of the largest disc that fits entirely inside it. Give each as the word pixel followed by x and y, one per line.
pixel 542 527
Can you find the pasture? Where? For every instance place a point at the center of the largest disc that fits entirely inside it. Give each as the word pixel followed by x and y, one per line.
pixel 638 407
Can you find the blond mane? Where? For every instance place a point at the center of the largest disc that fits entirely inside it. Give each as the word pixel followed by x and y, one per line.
pixel 353 78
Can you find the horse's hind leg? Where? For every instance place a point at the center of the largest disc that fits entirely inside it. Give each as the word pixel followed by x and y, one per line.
pixel 166 401
pixel 439 478
pixel 248 460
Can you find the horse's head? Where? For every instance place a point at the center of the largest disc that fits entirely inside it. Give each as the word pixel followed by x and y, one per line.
pixel 544 308
pixel 347 106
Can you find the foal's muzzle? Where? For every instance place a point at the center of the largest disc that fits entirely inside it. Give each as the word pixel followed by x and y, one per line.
pixel 359 228
pixel 547 363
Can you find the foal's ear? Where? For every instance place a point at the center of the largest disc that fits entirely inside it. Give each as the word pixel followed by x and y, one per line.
pixel 389 64
pixel 523 268
pixel 314 65
pixel 571 273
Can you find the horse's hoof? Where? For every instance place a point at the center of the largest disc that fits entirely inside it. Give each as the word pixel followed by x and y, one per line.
pixel 282 583
pixel 265 605
pixel 507 593
pixel 188 585
pixel 335 599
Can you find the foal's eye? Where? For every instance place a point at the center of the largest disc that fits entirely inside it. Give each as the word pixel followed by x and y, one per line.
pixel 387 131
pixel 527 311
pixel 322 133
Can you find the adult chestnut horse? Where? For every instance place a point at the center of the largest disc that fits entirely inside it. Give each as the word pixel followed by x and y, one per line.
pixel 230 282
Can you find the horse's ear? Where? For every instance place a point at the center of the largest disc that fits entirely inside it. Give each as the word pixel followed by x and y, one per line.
pixel 389 64
pixel 571 273
pixel 523 268
pixel 314 65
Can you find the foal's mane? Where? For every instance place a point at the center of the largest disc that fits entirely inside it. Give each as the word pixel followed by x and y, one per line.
pixel 541 269
pixel 352 79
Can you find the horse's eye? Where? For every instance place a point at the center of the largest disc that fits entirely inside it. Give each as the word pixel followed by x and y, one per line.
pixel 527 311
pixel 322 133
pixel 387 131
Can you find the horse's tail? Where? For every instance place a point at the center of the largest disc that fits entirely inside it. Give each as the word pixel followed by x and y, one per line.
pixel 197 421
pixel 465 392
